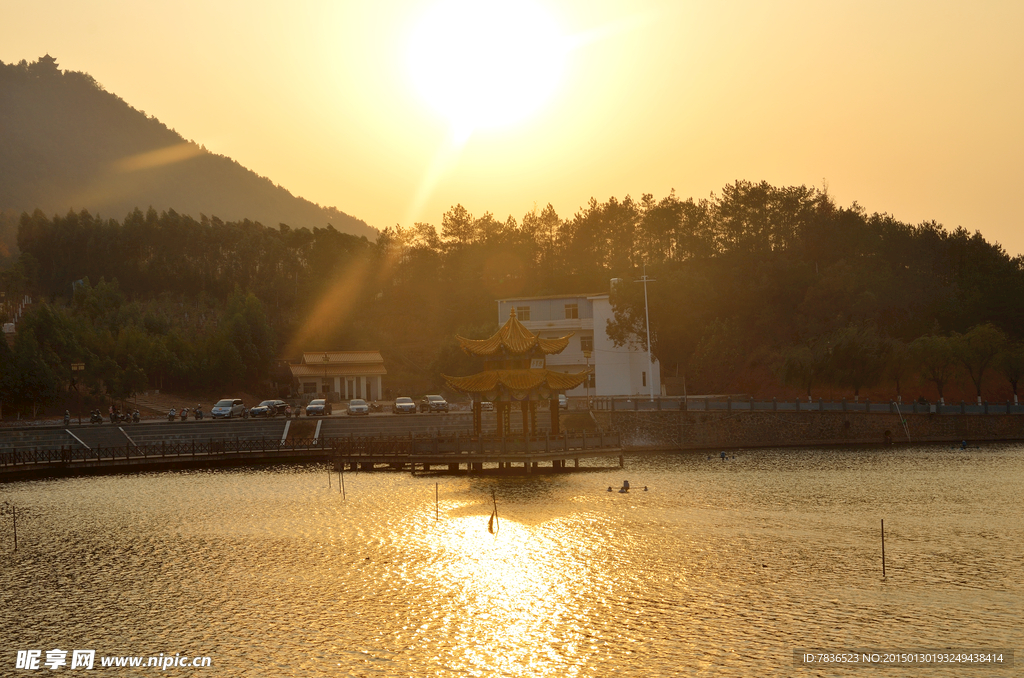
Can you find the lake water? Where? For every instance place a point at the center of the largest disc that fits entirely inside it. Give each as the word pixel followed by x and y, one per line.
pixel 721 568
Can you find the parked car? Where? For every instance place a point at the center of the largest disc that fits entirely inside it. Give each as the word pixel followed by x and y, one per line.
pixel 268 408
pixel 318 407
pixel 357 406
pixel 563 402
pixel 486 406
pixel 226 408
pixel 404 405
pixel 433 403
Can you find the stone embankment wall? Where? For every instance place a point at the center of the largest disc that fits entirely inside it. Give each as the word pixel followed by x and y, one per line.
pixel 712 430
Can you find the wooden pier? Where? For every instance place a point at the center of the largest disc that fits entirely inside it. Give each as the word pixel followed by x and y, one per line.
pixel 477 454
pixel 422 453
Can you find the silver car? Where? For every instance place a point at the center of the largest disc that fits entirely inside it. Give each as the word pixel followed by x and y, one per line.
pixel 404 405
pixel 227 408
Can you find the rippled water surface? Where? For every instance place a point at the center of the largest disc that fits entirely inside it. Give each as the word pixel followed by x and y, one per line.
pixel 722 568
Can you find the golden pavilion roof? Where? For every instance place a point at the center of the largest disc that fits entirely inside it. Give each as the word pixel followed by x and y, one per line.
pixel 516 380
pixel 513 339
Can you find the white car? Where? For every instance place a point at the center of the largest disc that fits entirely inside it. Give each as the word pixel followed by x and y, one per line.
pixel 227 408
pixel 358 406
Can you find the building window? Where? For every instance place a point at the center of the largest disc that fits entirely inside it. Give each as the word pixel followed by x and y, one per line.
pixel 643 377
pixel 586 343
pixel 309 387
pixel 572 311
pixel 523 312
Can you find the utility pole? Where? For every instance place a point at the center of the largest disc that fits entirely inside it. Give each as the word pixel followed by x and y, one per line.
pixel 586 354
pixel 647 313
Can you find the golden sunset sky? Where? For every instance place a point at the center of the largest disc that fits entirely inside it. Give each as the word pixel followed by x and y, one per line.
pixel 395 110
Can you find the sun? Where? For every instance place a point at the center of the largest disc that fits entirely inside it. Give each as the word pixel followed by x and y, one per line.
pixel 486 63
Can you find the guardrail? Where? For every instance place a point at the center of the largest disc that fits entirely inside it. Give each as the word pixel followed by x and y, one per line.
pixel 774 405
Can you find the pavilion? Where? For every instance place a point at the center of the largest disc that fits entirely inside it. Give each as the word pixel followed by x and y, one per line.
pixel 515 370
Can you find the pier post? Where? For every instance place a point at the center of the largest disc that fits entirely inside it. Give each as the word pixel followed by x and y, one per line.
pixel 622 462
pixel 529 466
pixel 576 462
pixel 454 468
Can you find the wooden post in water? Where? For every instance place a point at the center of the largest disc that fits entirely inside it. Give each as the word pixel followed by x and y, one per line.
pixel 328 475
pixel 883 548
pixel 341 475
pixel 14 519
pixel 436 510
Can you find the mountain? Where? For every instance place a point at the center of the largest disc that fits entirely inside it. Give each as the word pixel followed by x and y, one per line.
pixel 68 144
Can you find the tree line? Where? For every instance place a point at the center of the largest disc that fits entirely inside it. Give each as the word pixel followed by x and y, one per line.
pixel 759 289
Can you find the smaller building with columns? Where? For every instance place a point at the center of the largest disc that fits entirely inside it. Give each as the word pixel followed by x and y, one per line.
pixel 340 375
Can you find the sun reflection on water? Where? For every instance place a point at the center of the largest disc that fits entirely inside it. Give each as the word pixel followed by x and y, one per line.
pixel 510 589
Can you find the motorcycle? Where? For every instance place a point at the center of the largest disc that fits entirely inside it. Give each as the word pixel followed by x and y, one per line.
pixel 67 419
pixel 172 414
pixel 96 417
pixel 197 414
pixel 135 417
pixel 184 413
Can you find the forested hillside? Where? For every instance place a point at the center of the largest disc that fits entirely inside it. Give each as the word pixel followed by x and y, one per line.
pixel 68 144
pixel 762 290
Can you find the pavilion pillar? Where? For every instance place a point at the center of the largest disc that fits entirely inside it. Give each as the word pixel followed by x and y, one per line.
pixel 524 407
pixel 555 428
pixel 477 417
pixel 500 412
pixel 533 417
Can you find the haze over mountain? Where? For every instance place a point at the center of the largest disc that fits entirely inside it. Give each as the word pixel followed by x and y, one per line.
pixel 67 144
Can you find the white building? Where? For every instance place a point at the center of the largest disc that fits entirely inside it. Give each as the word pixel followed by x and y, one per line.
pixel 347 374
pixel 618 370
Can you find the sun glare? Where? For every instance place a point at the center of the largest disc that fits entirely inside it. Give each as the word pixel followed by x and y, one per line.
pixel 486 63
